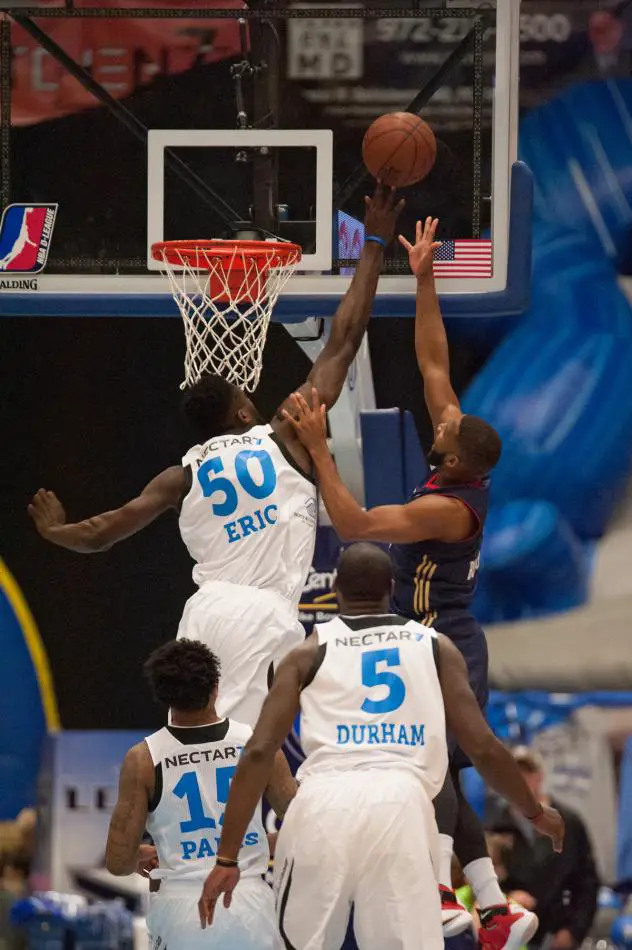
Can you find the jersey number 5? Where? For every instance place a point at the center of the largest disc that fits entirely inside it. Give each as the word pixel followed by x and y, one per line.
pixel 188 787
pixel 371 677
pixel 212 482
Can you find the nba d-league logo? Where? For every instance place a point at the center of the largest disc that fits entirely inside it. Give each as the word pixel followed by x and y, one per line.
pixel 25 236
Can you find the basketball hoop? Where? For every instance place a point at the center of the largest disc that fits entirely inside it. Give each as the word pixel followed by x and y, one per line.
pixel 226 292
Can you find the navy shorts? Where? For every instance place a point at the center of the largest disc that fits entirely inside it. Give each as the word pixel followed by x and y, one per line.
pixel 472 643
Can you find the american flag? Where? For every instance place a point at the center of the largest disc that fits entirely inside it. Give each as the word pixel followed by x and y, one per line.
pixel 464 258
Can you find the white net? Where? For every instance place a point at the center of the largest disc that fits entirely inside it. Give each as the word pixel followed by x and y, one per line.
pixel 226 292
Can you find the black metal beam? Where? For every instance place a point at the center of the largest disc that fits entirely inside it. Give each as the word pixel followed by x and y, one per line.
pixel 5 112
pixel 477 125
pixel 196 13
pixel 467 45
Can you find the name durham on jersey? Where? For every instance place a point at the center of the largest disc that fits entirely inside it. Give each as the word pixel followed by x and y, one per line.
pixel 386 733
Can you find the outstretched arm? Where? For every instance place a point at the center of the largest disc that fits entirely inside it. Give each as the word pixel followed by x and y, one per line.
pixel 437 517
pixel 136 785
pixel 490 757
pixel 101 532
pixel 254 773
pixel 431 343
pixel 352 316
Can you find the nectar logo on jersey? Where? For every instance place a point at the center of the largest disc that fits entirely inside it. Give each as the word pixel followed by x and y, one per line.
pixel 250 524
pixel 386 733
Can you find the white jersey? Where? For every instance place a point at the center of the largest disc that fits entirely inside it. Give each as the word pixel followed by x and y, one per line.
pixel 194 768
pixel 375 700
pixel 250 515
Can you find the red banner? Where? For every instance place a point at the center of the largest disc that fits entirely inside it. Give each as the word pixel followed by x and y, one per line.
pixel 122 55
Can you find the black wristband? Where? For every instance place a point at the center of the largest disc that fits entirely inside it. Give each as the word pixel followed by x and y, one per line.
pixel 537 815
pixel 226 862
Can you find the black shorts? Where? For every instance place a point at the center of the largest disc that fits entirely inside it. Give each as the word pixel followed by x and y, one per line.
pixel 473 645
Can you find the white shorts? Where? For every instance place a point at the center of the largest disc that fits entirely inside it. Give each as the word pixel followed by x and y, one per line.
pixel 248 924
pixel 364 838
pixel 250 630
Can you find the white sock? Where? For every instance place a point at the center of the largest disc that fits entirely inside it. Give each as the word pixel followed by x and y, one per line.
pixel 484 882
pixel 446 848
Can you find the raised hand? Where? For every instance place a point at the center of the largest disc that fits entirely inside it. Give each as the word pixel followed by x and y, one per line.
pixel 382 211
pixel 47 512
pixel 309 422
pixel 421 253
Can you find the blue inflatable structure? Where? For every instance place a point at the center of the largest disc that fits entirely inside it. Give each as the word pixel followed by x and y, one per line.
pixel 28 708
pixel 557 387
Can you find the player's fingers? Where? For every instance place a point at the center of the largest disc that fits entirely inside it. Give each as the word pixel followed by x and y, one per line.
pixel 435 225
pixel 228 898
pixel 315 398
pixel 399 207
pixel 301 403
pixel 402 240
pixel 418 232
pixel 367 200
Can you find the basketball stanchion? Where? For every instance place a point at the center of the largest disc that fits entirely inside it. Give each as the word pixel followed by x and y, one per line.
pixel 226 292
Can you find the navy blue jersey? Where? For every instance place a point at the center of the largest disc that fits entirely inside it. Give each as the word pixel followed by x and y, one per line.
pixel 435 580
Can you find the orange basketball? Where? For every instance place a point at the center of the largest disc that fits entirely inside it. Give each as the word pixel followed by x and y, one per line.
pixel 399 148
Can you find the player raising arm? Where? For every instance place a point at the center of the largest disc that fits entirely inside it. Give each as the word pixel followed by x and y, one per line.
pixel 214 407
pixel 373 728
pixel 246 500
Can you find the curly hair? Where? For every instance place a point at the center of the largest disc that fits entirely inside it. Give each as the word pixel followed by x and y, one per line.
pixel 206 406
pixel 183 674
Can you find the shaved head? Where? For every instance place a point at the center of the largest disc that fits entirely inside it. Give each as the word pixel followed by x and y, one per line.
pixel 364 573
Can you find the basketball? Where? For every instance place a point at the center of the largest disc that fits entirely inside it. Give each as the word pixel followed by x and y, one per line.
pixel 399 148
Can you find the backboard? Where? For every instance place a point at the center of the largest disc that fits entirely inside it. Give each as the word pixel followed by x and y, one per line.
pixel 162 121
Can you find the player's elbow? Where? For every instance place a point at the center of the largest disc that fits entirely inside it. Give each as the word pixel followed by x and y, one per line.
pixel 119 865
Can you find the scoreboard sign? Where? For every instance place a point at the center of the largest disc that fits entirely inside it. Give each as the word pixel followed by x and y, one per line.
pixel 325 49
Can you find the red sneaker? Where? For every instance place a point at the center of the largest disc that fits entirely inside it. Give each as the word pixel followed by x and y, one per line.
pixel 455 917
pixel 506 927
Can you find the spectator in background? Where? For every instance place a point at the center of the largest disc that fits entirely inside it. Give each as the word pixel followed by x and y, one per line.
pixel 563 887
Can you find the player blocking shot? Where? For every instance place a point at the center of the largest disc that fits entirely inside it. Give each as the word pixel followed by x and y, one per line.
pixel 375 691
pixel 246 501
pixel 175 784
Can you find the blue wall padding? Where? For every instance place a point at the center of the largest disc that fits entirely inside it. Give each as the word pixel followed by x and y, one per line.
pixel 22 719
pixel 394 463
pixel 383 457
pixel 558 391
pixel 415 466
pixel 578 148
pixel 532 563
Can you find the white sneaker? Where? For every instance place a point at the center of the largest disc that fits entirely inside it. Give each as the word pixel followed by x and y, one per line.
pixel 454 916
